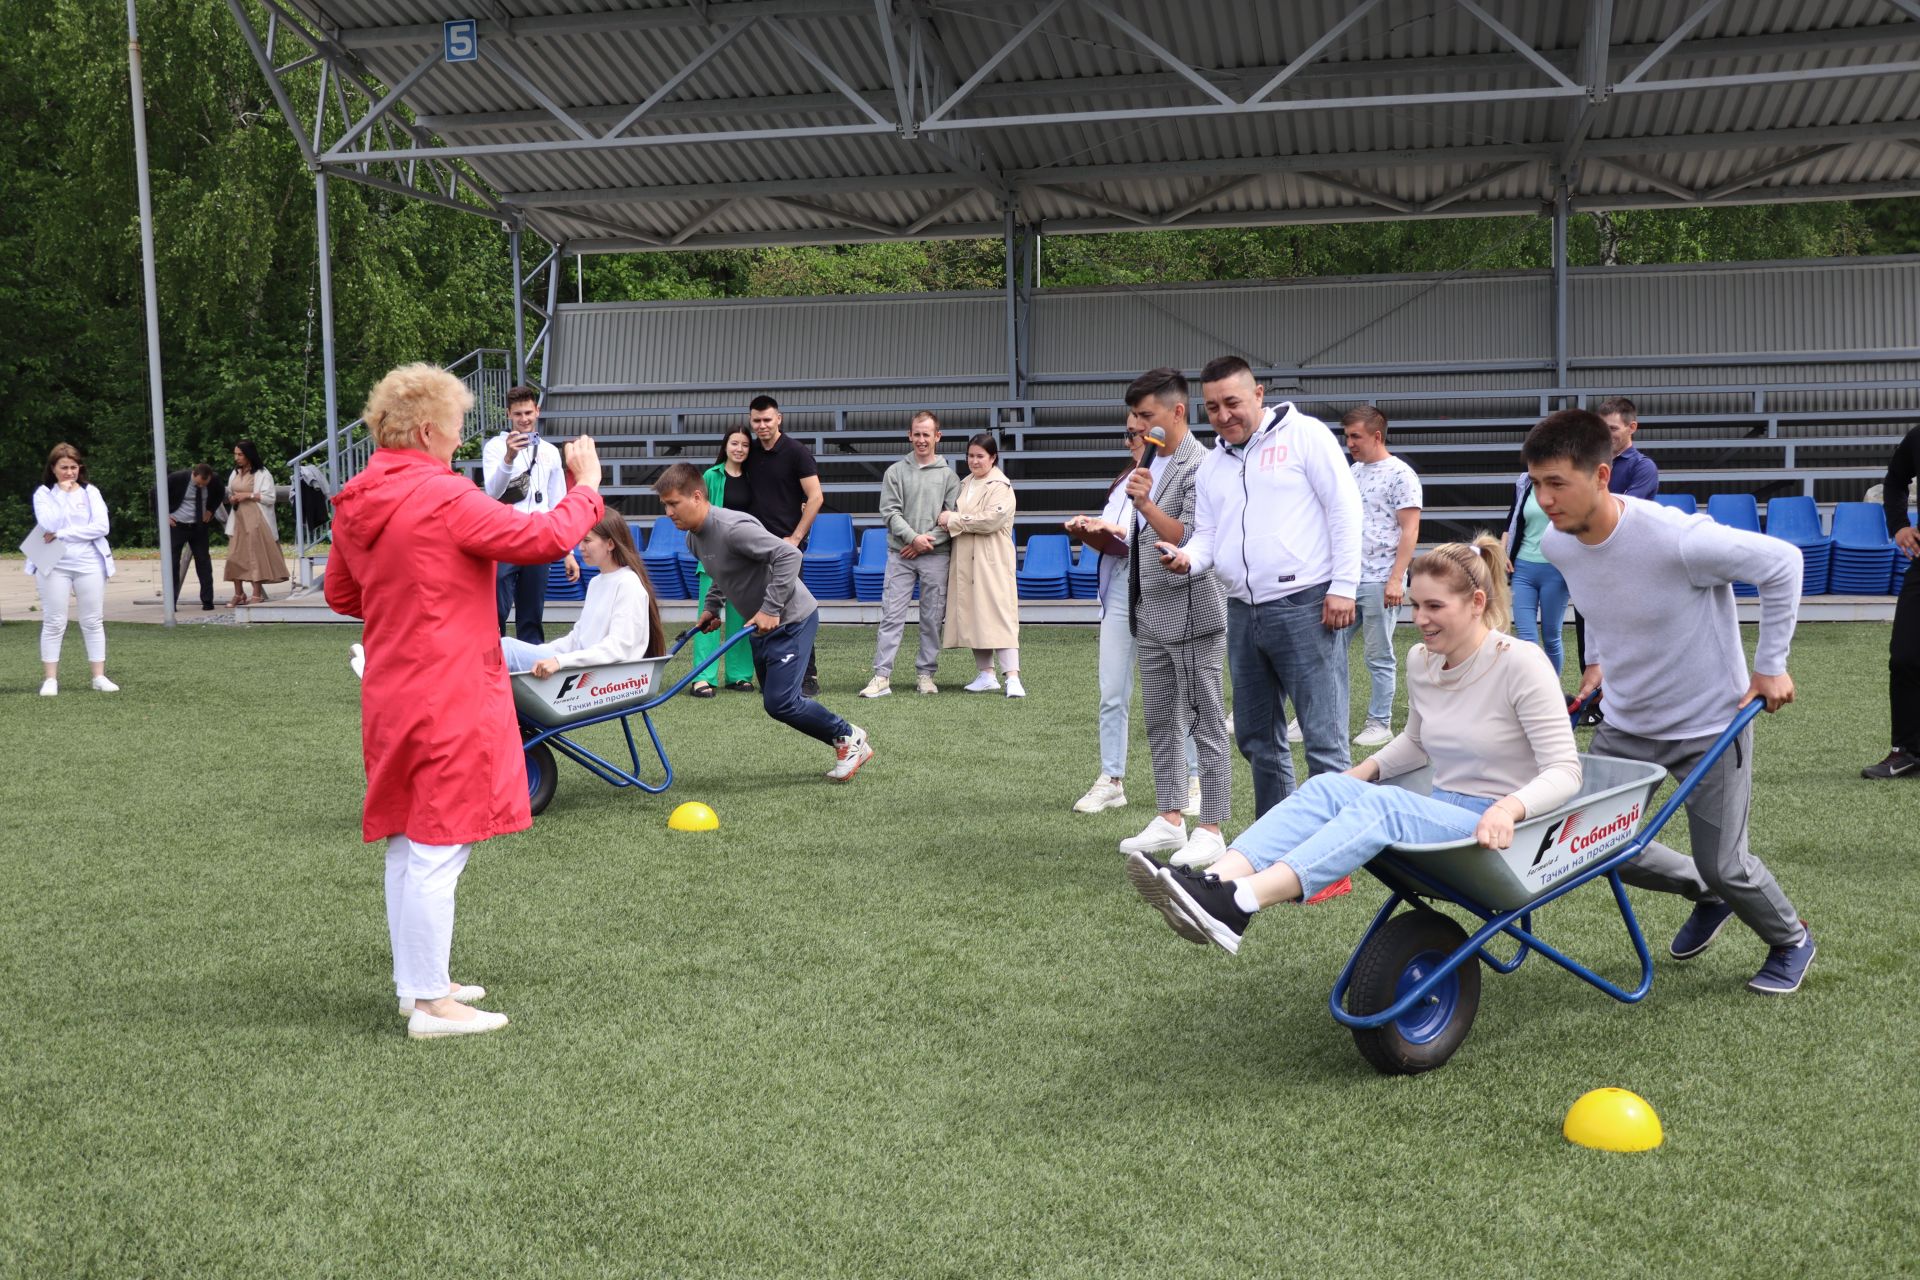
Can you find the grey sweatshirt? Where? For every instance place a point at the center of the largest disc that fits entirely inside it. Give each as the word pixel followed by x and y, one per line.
pixel 751 569
pixel 1658 599
pixel 912 498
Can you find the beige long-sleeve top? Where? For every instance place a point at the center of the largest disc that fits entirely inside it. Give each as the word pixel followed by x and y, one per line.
pixel 1496 725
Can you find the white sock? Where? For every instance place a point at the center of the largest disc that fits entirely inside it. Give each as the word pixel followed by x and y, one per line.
pixel 1243 897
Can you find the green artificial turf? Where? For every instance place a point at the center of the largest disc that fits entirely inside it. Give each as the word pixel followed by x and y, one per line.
pixel 913 1026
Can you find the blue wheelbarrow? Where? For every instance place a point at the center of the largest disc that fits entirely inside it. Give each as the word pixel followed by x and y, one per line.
pixel 551 706
pixel 1412 986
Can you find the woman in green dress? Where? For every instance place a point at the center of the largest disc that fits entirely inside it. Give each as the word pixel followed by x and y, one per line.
pixel 726 487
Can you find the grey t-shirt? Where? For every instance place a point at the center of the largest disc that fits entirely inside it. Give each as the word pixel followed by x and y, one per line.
pixel 751 569
pixel 1658 599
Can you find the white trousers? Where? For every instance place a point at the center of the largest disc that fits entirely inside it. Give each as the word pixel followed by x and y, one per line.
pixel 421 879
pixel 91 588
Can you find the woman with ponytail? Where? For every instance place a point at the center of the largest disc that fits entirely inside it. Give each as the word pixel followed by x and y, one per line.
pixel 1484 709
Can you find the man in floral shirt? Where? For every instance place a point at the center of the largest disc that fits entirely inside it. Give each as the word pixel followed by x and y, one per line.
pixel 1389 526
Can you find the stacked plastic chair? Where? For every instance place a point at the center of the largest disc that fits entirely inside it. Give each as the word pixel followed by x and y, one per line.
pixel 1900 562
pixel 1737 511
pixel 1043 575
pixel 1797 520
pixel 1863 554
pixel 870 569
pixel 827 567
pixel 1083 575
pixel 1678 501
pixel 662 558
pixel 558 588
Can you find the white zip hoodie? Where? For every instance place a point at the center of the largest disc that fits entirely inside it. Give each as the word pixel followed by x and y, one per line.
pixel 1280 513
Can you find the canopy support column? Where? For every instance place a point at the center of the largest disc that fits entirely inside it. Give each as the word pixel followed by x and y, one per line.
pixel 323 240
pixel 519 309
pixel 156 401
pixel 1560 208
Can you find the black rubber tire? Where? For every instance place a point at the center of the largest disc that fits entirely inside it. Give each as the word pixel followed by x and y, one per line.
pixel 1414 936
pixel 542 777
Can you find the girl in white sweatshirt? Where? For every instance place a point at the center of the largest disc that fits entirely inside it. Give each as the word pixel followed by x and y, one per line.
pixel 1485 709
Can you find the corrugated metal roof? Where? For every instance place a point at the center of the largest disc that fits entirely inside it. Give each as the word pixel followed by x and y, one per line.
pixel 1786 106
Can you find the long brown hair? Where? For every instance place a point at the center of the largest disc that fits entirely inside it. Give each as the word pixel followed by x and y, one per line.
pixel 64 450
pixel 613 528
pixel 1468 567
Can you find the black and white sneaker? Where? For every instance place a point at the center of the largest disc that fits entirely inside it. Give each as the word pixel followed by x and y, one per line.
pixel 1898 764
pixel 1143 873
pixel 1207 902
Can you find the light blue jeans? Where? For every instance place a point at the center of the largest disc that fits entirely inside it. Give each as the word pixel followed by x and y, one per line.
pixel 1279 653
pixel 1375 625
pixel 1334 825
pixel 1540 606
pixel 521 656
pixel 1116 684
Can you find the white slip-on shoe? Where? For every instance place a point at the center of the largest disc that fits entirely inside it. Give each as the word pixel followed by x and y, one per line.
pixel 1373 734
pixel 1158 836
pixel 878 687
pixel 1014 688
pixel 1204 848
pixel 1143 873
pixel 424 1026
pixel 926 685
pixel 49 688
pixel 357 659
pixel 1293 731
pixel 459 994
pixel 985 682
pixel 104 685
pixel 849 752
pixel 1192 807
pixel 1105 793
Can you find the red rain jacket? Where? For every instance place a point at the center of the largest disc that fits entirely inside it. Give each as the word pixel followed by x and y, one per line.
pixel 414 548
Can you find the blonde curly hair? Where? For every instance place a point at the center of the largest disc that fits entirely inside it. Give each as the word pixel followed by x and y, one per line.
pixel 408 396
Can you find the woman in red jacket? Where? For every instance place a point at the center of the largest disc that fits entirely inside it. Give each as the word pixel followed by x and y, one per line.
pixel 414 548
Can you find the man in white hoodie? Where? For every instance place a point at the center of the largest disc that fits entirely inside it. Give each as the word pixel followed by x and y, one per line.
pixel 1278 521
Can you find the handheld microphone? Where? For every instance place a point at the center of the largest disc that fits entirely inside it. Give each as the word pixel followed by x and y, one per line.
pixel 1157 437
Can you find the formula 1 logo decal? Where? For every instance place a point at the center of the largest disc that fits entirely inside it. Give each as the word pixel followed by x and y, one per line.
pixel 1581 837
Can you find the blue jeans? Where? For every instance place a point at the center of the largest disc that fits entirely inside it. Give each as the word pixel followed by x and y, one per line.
pixel 1117 648
pixel 522 590
pixel 1334 825
pixel 1539 592
pixel 521 656
pixel 1376 631
pixel 1278 653
pixel 780 661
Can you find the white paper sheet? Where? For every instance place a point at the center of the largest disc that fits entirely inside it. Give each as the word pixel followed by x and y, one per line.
pixel 42 554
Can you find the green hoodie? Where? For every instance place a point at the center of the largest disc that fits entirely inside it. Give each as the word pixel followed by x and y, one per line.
pixel 912 498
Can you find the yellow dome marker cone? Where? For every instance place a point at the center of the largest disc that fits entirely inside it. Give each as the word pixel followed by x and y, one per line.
pixel 694 816
pixel 1613 1120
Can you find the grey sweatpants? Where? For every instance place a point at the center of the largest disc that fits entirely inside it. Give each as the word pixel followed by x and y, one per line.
pixel 896 597
pixel 1721 866
pixel 1180 693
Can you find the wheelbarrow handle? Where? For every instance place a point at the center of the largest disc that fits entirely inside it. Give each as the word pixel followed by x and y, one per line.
pixel 1741 720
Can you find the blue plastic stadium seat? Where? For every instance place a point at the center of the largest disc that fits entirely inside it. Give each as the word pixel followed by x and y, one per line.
pixel 1043 576
pixel 1737 511
pixel 662 558
pixel 1797 520
pixel 827 566
pixel 558 588
pixel 870 569
pixel 1083 574
pixel 1678 501
pixel 1865 561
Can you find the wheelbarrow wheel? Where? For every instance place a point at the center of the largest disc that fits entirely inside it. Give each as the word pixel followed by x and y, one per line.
pixel 1405 951
pixel 542 777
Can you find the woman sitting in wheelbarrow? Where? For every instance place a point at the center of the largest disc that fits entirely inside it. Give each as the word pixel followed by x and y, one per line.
pixel 1485 710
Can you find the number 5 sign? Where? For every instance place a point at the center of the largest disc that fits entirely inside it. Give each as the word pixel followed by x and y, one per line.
pixel 462 40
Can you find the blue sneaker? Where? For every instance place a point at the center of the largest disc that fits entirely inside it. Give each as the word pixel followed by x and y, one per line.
pixel 1701 928
pixel 1786 967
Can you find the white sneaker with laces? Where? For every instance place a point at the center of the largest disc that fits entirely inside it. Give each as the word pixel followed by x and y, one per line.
pixel 925 684
pixel 985 682
pixel 1373 734
pixel 105 685
pixel 1158 836
pixel 1014 688
pixel 1192 807
pixel 850 752
pixel 878 687
pixel 49 687
pixel 1105 793
pixel 1293 731
pixel 1203 849
pixel 357 659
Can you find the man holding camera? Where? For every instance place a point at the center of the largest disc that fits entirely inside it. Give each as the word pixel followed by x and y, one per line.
pixel 525 472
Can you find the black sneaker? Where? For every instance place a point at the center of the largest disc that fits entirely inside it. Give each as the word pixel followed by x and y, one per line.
pixel 809 688
pixel 1898 764
pixel 1786 967
pixel 1701 928
pixel 1143 873
pixel 1207 902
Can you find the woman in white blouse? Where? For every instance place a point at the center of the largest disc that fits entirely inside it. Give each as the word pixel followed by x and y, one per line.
pixel 71 512
pixel 253 539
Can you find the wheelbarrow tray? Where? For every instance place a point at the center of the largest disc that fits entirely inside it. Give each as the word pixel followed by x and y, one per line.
pixel 570 697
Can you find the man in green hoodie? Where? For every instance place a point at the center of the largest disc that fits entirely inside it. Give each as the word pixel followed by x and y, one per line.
pixel 913 493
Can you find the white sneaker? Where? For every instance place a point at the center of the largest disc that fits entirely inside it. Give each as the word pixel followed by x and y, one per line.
pixel 1373 734
pixel 1293 731
pixel 105 685
pixel 1105 793
pixel 49 687
pixel 1203 849
pixel 459 995
pixel 1158 836
pixel 357 659
pixel 424 1026
pixel 985 682
pixel 850 752
pixel 1229 724
pixel 1192 807
pixel 925 684
pixel 1014 688
pixel 878 687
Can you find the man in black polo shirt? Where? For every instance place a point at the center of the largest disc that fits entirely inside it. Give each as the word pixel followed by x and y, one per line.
pixel 783 490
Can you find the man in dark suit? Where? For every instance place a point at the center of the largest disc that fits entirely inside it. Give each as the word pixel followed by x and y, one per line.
pixel 192 497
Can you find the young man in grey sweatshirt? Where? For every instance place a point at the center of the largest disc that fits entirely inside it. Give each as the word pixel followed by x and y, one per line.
pixel 913 493
pixel 1656 587
pixel 759 575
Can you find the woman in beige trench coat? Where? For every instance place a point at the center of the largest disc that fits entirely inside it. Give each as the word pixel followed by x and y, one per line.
pixel 983 605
